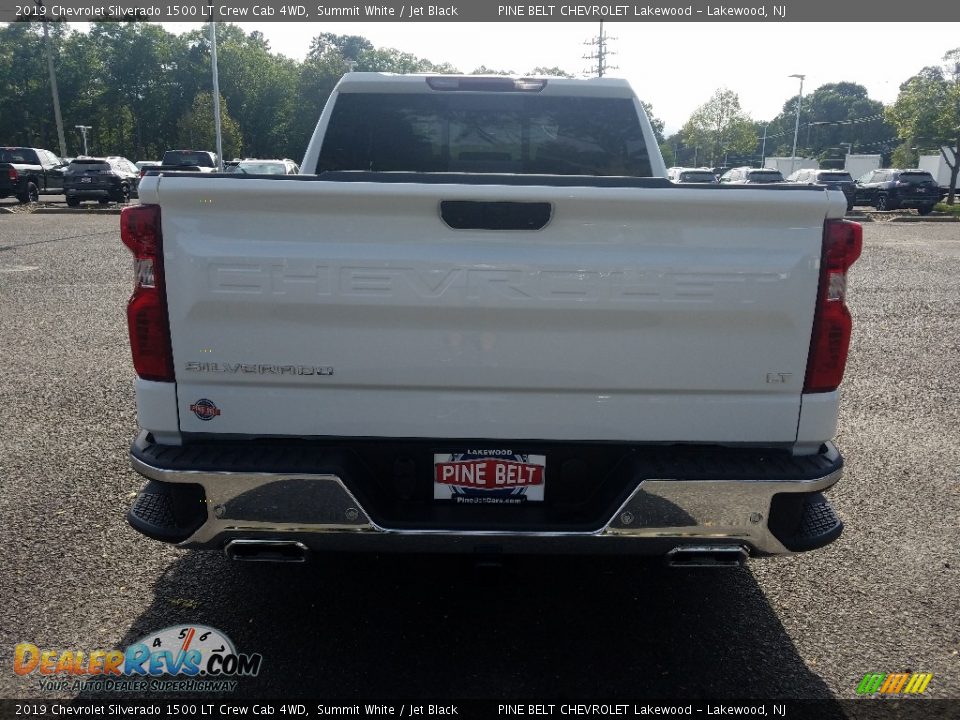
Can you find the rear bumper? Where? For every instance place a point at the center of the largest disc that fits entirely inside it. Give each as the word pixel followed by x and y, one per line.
pixel 205 496
pixel 7 188
pixel 913 201
pixel 91 193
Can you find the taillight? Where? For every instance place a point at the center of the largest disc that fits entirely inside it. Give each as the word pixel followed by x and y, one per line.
pixel 830 342
pixel 147 318
pixel 13 175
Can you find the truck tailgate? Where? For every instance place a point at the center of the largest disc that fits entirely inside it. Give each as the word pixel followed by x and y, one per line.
pixel 353 309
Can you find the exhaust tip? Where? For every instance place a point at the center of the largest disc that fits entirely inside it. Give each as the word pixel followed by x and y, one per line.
pixel 707 556
pixel 283 551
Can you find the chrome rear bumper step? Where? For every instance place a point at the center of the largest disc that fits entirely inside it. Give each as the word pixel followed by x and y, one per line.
pixel 266 551
pixel 707 556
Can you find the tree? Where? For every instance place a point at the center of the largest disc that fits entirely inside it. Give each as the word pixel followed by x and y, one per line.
pixel 259 88
pixel 554 71
pixel 197 127
pixel 832 117
pixel 484 70
pixel 350 47
pixel 928 109
pixel 720 126
pixel 905 155
pixel 397 61
pixel 27 116
pixel 655 122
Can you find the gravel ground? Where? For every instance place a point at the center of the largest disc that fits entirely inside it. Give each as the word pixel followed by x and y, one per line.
pixel 884 598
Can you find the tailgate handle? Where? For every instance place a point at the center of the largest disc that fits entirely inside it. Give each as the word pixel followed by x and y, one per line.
pixel 476 215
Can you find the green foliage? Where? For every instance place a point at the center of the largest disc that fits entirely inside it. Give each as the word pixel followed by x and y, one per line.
pixel 927 110
pixel 831 116
pixel 197 127
pixel 141 88
pixel 349 47
pixel 550 72
pixel 905 155
pixel 484 70
pixel 396 61
pixel 655 122
pixel 720 127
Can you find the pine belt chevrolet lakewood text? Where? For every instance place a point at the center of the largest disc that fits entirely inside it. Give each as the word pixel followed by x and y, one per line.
pixel 484 320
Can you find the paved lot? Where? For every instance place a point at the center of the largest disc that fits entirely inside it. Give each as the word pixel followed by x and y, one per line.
pixel 13 202
pixel 884 598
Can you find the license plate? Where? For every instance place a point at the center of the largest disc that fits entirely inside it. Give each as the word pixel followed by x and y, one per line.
pixel 494 477
pixel 85 179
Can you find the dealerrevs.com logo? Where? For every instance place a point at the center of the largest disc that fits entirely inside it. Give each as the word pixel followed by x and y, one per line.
pixel 200 658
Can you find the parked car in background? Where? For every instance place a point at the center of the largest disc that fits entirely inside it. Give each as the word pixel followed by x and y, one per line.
pixel 691 175
pixel 252 166
pixel 101 179
pixel 751 176
pixel 832 179
pixel 144 165
pixel 29 173
pixel 892 188
pixel 202 160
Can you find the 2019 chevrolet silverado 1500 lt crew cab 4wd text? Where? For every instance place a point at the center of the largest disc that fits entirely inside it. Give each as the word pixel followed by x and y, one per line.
pixel 486 321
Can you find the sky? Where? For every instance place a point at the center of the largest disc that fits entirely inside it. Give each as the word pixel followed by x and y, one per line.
pixel 674 66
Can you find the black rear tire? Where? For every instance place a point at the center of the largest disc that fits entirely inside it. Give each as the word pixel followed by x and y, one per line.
pixel 122 195
pixel 73 202
pixel 30 195
pixel 925 209
pixel 885 202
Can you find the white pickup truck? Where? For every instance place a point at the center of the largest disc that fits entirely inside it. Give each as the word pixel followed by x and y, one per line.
pixel 484 321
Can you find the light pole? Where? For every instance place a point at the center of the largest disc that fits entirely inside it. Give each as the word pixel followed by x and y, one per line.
pixel 796 125
pixel 216 94
pixel 763 148
pixel 53 82
pixel 83 131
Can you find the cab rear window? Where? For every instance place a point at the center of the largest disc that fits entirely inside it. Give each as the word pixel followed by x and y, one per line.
pixel 187 158
pixel 765 177
pixel 80 166
pixel 917 178
pixel 485 133
pixel 835 177
pixel 24 156
pixel 697 177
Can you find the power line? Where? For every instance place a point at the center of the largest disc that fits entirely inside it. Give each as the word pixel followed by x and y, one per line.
pixel 850 121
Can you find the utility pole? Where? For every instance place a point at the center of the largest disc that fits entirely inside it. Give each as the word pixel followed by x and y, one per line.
pixel 216 94
pixel 796 127
pixel 53 83
pixel 600 42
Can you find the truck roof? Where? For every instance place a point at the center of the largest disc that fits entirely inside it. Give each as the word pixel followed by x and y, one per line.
pixel 360 82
